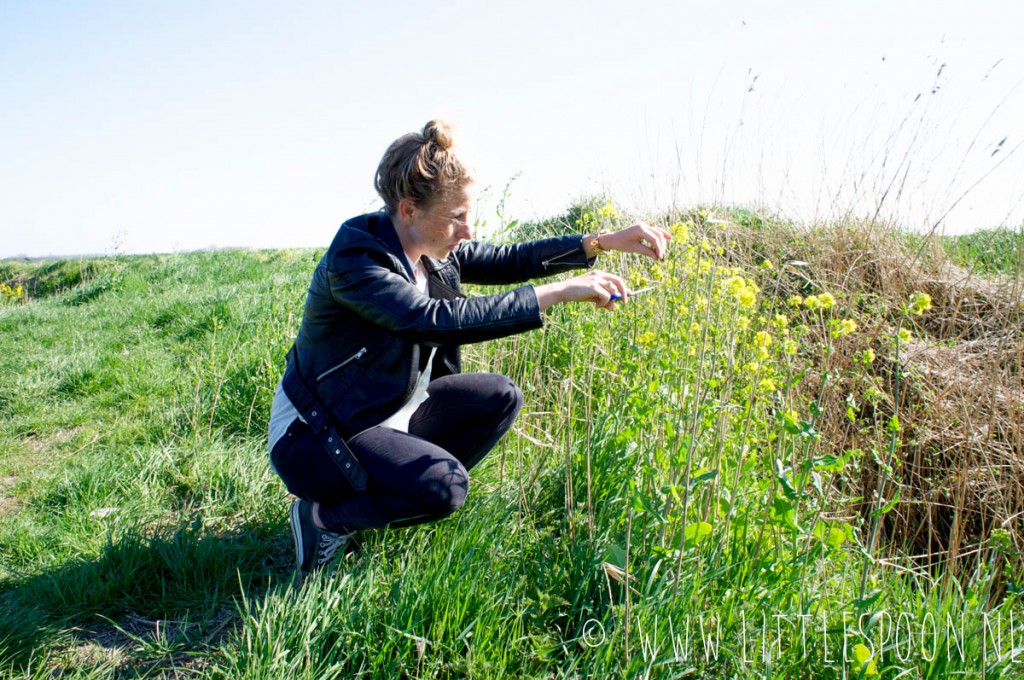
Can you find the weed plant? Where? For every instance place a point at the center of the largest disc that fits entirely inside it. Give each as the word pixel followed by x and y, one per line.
pixel 740 473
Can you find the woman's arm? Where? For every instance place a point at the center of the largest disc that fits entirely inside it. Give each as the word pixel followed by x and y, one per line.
pixel 639 238
pixel 363 282
pixel 518 262
pixel 596 286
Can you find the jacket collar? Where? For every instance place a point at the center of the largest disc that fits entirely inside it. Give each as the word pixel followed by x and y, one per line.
pixel 386 233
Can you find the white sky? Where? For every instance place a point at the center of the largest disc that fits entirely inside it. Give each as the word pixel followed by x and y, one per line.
pixel 142 127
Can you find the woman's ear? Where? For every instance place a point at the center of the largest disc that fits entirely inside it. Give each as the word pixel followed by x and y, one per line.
pixel 407 211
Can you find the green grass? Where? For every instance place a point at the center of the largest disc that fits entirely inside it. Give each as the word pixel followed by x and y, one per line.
pixel 676 500
pixel 989 251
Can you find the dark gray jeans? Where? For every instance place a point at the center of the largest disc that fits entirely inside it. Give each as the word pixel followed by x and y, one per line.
pixel 413 477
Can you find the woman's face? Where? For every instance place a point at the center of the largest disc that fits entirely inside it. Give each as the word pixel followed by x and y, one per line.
pixel 438 228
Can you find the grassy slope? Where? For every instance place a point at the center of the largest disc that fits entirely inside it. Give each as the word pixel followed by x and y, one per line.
pixel 141 530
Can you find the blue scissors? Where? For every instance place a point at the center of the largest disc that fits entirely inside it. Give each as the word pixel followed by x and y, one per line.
pixel 618 296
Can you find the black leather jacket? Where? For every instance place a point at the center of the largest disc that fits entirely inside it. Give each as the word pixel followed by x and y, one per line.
pixel 367 329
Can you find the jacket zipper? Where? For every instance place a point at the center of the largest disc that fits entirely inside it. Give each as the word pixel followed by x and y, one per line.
pixel 355 357
pixel 546 263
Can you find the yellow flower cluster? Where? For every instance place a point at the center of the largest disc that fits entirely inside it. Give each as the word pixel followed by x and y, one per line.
pixel 11 294
pixel 680 232
pixel 762 341
pixel 646 339
pixel 919 303
pixel 742 290
pixel 694 266
pixel 603 216
pixel 844 327
pixel 608 211
pixel 816 302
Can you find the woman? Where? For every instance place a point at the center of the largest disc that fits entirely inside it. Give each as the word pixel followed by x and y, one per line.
pixel 372 423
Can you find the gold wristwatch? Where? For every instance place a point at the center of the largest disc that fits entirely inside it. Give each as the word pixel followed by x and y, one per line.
pixel 595 242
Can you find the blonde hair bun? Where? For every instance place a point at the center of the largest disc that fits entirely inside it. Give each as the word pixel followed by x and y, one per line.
pixel 421 166
pixel 438 132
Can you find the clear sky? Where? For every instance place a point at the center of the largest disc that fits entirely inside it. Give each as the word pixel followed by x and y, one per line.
pixel 155 127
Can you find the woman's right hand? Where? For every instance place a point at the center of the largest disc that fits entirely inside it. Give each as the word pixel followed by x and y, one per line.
pixel 596 286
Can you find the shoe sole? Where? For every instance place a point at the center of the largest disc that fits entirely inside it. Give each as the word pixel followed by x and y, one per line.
pixel 296 522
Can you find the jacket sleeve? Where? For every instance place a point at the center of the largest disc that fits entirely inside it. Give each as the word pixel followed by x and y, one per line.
pixel 366 283
pixel 519 262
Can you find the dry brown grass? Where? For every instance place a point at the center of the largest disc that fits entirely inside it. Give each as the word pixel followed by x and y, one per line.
pixel 958 387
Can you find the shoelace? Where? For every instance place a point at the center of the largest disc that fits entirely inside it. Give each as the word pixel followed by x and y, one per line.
pixel 329 544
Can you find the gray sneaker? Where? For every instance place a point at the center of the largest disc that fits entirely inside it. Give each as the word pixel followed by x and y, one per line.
pixel 314 547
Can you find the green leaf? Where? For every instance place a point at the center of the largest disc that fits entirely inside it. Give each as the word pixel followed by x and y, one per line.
pixel 784 513
pixel 674 490
pixel 643 503
pixel 888 506
pixel 787 485
pixel 702 477
pixel 616 556
pixel 831 536
pixel 829 463
pixel 872 622
pixel 696 533
pixel 789 423
pixel 863 666
pixel 834 538
pixel 868 600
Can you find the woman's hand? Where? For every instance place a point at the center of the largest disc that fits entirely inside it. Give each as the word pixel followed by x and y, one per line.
pixel 595 286
pixel 640 238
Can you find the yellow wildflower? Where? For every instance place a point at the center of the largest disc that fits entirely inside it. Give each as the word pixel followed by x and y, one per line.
pixel 844 327
pixel 680 232
pixel 823 301
pixel 919 303
pixel 608 210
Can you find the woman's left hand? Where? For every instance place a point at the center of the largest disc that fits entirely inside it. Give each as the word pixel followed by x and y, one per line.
pixel 640 238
